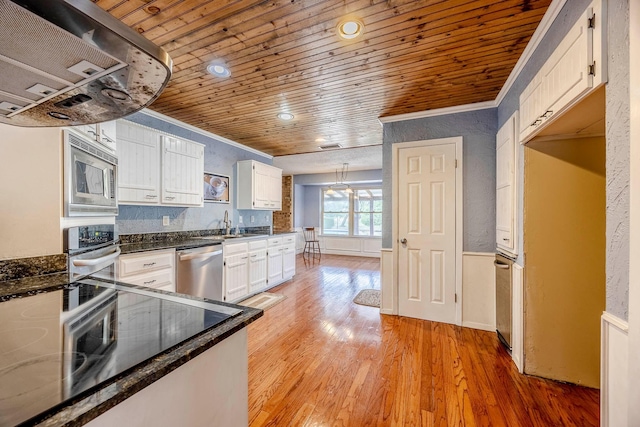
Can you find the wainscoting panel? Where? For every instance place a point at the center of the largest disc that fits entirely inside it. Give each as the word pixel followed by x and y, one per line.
pixel 614 370
pixel 478 291
pixel 388 299
pixel 355 246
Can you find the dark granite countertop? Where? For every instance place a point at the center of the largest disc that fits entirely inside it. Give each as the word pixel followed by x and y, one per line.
pixel 79 410
pixel 192 242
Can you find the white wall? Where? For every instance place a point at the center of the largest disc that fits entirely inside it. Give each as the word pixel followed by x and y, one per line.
pixel 31 191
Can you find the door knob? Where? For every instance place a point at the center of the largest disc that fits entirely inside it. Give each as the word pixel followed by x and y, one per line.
pixel 403 241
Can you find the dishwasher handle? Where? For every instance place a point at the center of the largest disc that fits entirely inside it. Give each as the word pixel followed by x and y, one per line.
pixel 501 265
pixel 196 255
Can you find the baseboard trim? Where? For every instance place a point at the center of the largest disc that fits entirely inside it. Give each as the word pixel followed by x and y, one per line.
pixel 481 326
pixel 614 369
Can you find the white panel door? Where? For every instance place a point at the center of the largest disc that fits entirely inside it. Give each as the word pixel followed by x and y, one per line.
pixel 427 231
pixel 182 171
pixel 138 151
pixel 274 269
pixel 236 276
pixel 262 183
pixel 257 270
pixel 506 236
pixel 289 260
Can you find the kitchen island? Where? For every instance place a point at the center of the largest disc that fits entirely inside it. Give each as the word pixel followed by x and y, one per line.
pixel 101 353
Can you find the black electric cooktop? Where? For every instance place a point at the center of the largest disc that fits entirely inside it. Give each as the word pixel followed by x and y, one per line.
pixel 58 345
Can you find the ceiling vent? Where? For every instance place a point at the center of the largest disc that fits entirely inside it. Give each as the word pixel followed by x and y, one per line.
pixel 329 146
pixel 68 62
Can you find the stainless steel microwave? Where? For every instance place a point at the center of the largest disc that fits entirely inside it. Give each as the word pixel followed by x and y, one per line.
pixel 90 178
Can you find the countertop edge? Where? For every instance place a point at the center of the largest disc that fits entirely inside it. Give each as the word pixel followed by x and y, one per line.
pixel 77 413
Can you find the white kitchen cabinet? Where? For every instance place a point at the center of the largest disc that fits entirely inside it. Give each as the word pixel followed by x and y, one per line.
pixel 257 266
pixel 154 269
pixel 139 164
pixel 259 186
pixel 182 172
pixel 104 133
pixel 236 271
pixel 158 169
pixel 274 267
pixel 506 195
pixel 288 256
pixel 574 69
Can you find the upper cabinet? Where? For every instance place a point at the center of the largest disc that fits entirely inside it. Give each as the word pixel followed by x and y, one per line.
pixel 576 67
pixel 155 168
pixel 104 133
pixel 259 186
pixel 506 194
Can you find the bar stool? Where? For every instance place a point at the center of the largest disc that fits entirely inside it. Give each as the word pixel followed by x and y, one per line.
pixel 311 242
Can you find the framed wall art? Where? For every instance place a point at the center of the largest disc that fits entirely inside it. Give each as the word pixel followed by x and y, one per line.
pixel 216 188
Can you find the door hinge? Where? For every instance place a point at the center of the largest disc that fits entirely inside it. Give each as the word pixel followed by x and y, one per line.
pixel 592 21
pixel 224 263
pixel 592 69
pixel 456 163
pixel 455 297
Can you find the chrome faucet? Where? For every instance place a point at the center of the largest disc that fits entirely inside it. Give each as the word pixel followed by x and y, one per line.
pixel 227 223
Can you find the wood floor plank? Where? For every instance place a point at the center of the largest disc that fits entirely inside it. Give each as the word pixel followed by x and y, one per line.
pixel 316 358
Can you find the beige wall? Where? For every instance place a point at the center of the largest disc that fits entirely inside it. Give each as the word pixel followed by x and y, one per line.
pixel 564 248
pixel 30 191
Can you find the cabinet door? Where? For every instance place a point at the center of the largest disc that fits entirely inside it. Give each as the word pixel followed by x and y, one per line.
pixel 182 172
pixel 236 277
pixel 262 186
pixel 257 270
pixel 505 186
pixel 275 188
pixel 275 265
pixel 138 165
pixel 289 261
pixel 530 107
pixel 107 134
pixel 565 74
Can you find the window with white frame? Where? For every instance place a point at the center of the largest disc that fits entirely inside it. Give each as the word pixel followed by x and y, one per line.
pixel 355 213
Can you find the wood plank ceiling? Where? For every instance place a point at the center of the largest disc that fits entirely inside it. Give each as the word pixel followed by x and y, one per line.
pixel 286 56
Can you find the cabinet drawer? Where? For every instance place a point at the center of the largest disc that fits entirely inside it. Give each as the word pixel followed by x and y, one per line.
pixel 277 241
pixel 162 279
pixel 289 238
pixel 254 245
pixel 149 261
pixel 235 248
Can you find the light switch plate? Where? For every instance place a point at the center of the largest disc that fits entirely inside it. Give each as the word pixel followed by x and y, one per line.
pixel 165 220
pixel 253 218
pixel 240 219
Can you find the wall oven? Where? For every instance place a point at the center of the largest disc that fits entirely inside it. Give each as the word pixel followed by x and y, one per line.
pixel 90 178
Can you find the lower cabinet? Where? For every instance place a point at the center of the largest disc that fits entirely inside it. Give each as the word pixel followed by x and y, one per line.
pixel 255 265
pixel 236 271
pixel 153 269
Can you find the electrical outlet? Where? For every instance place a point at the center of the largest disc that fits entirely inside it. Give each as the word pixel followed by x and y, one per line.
pixel 240 219
pixel 165 220
pixel 253 218
pixel 266 218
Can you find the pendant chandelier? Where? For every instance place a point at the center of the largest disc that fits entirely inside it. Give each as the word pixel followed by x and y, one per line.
pixel 340 181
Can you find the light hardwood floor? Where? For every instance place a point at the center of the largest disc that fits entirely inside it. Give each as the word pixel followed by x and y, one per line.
pixel 318 359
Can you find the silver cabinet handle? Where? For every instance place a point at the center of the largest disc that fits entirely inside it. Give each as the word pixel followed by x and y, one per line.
pixel 151 196
pixel 547 114
pixel 150 282
pixel 505 239
pixel 403 241
pixel 501 265
pixel 169 197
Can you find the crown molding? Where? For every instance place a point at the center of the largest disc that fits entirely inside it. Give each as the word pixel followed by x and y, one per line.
pixel 202 132
pixel 545 23
pixel 439 112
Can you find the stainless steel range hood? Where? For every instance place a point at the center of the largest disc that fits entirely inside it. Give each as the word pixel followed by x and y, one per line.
pixel 68 62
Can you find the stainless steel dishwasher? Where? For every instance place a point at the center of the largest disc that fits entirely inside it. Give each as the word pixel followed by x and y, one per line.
pixel 503 299
pixel 200 272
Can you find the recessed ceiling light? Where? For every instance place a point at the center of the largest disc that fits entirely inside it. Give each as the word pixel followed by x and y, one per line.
pixel 218 70
pixel 350 29
pixel 285 116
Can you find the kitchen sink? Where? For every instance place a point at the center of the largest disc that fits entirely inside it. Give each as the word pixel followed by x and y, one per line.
pixel 222 237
